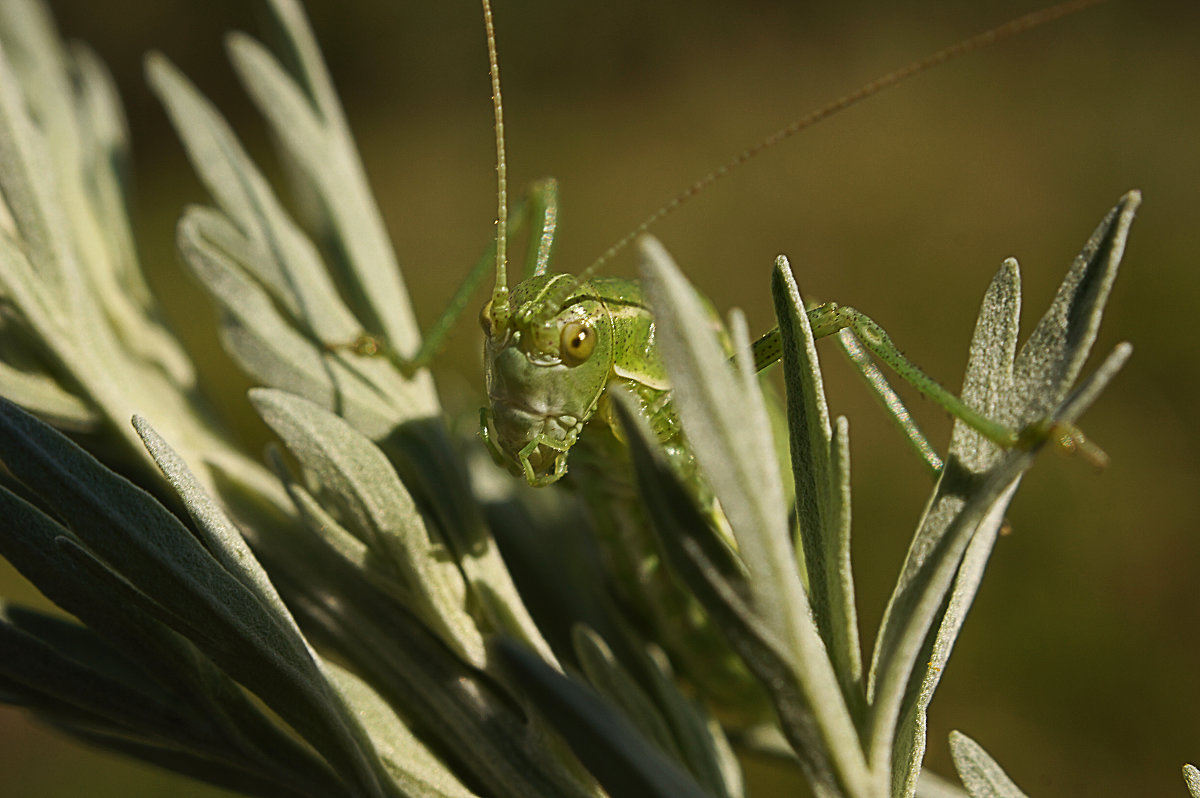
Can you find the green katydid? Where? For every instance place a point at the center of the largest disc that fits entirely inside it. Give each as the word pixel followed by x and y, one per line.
pixel 555 344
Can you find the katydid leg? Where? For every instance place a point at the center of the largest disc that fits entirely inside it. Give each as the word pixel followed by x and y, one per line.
pixel 891 401
pixel 830 318
pixel 769 348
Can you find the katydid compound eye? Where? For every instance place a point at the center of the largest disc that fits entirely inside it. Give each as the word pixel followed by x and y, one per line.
pixel 577 342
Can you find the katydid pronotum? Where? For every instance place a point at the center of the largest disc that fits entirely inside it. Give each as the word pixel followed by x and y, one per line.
pixel 555 343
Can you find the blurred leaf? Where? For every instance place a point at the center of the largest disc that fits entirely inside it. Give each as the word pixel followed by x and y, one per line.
pixel 417 772
pixel 64 670
pixel 133 574
pixel 328 160
pixel 705 748
pixel 44 395
pixel 281 257
pixel 84 341
pixel 683 736
pixel 611 747
pixel 283 319
pixel 617 686
pixel 131 547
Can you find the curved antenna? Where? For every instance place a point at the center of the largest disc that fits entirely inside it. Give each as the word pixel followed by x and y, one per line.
pixel 500 309
pixel 999 33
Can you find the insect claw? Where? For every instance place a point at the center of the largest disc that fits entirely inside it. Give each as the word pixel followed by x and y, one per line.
pixel 1068 439
pixel 1071 440
pixel 363 344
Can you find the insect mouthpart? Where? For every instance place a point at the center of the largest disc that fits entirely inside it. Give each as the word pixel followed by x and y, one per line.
pixel 529 438
pixel 539 422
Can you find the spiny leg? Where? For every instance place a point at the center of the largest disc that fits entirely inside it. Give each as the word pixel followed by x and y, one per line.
pixel 1068 437
pixel 830 318
pixel 769 348
pixel 891 400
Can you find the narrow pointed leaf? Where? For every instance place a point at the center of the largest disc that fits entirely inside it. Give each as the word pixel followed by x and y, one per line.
pixel 988 386
pixel 334 171
pixel 723 416
pixel 165 571
pixel 822 487
pixel 683 533
pixel 1051 360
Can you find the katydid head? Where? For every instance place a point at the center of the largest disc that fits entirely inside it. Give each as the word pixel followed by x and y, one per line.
pixel 545 374
pixel 546 356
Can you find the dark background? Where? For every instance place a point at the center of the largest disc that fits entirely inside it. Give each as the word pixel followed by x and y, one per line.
pixel 1077 668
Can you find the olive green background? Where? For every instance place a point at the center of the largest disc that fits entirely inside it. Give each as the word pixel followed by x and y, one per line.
pixel 1077 667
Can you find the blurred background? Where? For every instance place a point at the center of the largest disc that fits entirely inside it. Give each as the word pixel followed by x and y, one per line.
pixel 1077 668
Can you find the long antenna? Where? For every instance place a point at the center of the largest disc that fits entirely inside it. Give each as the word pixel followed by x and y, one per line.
pixel 500 309
pixel 1021 24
